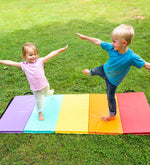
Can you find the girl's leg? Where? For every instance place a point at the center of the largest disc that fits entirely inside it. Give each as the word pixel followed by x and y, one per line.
pixel 38 98
pixel 47 92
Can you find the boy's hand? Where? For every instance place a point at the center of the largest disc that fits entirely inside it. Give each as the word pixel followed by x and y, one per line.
pixel 81 36
pixel 147 65
pixel 95 41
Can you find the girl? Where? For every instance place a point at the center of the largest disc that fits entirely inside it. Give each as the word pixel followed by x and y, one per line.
pixel 33 68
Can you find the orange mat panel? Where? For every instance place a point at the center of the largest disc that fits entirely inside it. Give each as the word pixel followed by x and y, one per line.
pixel 99 108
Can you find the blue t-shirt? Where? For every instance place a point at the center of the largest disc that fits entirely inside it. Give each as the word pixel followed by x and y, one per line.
pixel 118 65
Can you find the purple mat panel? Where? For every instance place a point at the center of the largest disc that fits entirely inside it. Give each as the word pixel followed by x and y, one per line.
pixel 17 114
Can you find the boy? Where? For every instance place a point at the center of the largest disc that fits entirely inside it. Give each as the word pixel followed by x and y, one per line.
pixel 118 64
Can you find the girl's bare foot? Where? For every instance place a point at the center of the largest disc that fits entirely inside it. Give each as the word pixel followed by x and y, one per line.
pixel 51 92
pixel 108 118
pixel 41 116
pixel 85 71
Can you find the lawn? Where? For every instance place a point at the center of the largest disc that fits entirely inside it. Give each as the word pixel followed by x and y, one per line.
pixel 52 24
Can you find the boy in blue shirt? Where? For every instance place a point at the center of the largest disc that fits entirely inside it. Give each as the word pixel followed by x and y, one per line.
pixel 121 58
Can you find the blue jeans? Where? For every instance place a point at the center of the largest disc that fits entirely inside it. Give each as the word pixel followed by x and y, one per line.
pixel 111 89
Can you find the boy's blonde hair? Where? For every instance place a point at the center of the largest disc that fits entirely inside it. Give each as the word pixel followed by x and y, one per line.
pixel 123 32
pixel 25 48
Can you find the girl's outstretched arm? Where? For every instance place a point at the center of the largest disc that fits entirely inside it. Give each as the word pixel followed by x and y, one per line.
pixel 11 63
pixel 95 41
pixel 147 65
pixel 53 53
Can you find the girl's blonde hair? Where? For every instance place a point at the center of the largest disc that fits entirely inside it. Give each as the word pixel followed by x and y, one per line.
pixel 123 32
pixel 25 48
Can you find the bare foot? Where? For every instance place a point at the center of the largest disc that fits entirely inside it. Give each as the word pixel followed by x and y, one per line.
pixel 85 71
pixel 41 116
pixel 108 118
pixel 51 92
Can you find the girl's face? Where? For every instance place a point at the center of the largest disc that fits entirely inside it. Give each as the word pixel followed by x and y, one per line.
pixel 31 57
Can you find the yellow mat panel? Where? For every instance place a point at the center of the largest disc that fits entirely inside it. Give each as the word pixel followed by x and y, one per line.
pixel 74 114
pixel 99 108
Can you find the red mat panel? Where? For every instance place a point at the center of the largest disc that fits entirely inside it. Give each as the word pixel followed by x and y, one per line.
pixel 134 113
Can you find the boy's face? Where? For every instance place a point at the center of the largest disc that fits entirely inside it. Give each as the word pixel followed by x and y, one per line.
pixel 118 45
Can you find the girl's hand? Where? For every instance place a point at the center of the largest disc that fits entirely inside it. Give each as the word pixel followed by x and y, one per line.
pixel 10 63
pixel 63 49
pixel 53 54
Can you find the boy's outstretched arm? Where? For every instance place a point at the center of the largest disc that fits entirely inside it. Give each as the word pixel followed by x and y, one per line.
pixel 95 41
pixel 53 53
pixel 11 63
pixel 147 65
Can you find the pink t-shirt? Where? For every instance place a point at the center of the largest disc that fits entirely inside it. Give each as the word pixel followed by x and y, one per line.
pixel 35 74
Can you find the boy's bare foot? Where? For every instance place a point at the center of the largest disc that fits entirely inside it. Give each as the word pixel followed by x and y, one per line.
pixel 108 118
pixel 41 116
pixel 85 71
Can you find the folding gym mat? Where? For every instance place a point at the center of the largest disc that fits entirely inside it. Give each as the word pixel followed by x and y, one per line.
pixel 77 113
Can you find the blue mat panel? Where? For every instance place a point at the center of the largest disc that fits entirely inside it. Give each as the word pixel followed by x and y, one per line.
pixel 51 109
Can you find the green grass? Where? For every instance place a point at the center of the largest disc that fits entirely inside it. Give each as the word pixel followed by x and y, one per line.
pixel 51 24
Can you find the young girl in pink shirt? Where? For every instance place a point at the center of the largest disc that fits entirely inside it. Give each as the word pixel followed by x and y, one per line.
pixel 33 68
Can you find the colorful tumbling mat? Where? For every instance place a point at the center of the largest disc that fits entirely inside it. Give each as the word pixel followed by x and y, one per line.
pixel 78 114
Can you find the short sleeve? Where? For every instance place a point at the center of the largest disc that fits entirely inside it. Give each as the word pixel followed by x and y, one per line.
pixel 22 65
pixel 41 61
pixel 138 61
pixel 106 46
